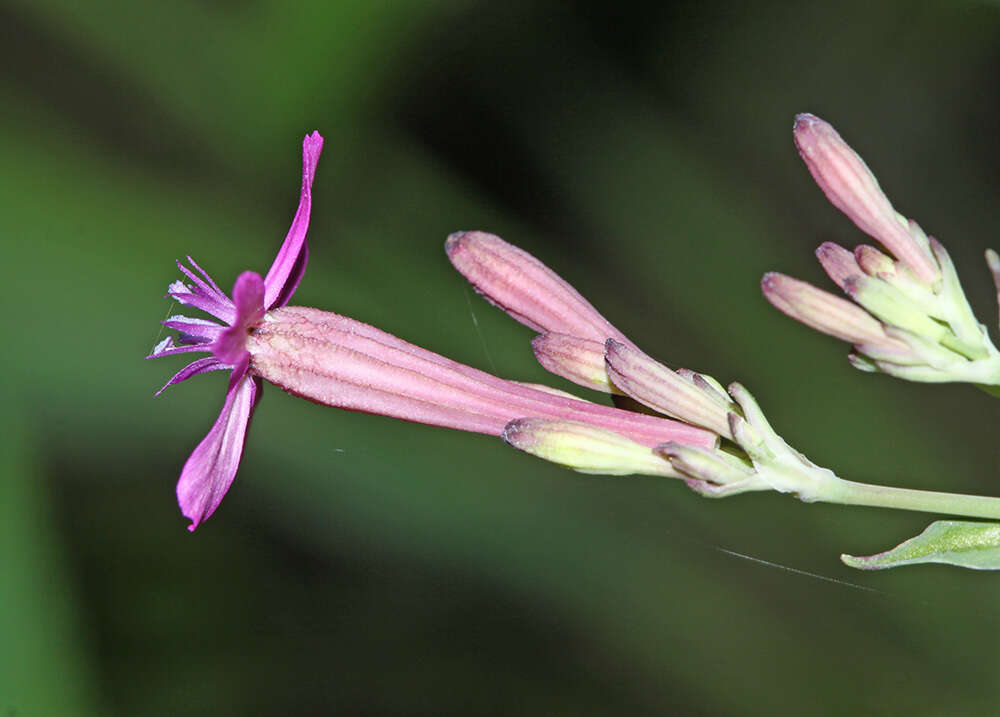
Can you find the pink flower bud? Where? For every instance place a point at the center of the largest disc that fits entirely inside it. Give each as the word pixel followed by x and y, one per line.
pixel 852 188
pixel 873 262
pixel 521 285
pixel 654 385
pixel 585 448
pixel 825 312
pixel 838 262
pixel 578 360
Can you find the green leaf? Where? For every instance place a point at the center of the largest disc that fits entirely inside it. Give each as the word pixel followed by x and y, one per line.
pixel 952 542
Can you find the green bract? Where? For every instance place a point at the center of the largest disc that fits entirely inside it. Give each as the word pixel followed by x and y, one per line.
pixel 952 542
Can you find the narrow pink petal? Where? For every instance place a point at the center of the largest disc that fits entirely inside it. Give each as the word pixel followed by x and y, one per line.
pixel 210 470
pixel 248 298
pixel 315 354
pixel 290 264
pixel 209 363
pixel 515 281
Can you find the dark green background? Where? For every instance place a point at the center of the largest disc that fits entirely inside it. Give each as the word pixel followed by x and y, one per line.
pixel 365 566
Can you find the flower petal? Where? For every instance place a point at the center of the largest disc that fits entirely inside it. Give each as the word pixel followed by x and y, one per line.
pixel 198 328
pixel 168 348
pixel 210 469
pixel 192 296
pixel 290 264
pixel 248 297
pixel 209 363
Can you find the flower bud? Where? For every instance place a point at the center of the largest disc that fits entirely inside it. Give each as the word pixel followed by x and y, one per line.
pixel 823 311
pixel 837 262
pixel 852 188
pixel 584 448
pixel 707 466
pixel 893 307
pixel 654 385
pixel 873 262
pixel 521 285
pixel 578 360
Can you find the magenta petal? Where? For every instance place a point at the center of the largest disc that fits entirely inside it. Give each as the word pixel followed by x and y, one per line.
pixel 209 363
pixel 198 328
pixel 212 466
pixel 248 297
pixel 290 264
pixel 182 294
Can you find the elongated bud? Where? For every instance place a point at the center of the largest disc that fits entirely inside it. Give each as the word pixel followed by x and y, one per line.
pixel 823 311
pixel 578 360
pixel 654 385
pixel 525 288
pixel 837 262
pixel 709 466
pixel 707 384
pixel 873 262
pixel 852 188
pixel 993 262
pixel 584 448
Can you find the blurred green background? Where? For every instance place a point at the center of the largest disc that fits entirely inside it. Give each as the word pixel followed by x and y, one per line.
pixel 365 566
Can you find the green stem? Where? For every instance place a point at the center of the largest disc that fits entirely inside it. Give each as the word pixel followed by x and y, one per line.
pixel 927 501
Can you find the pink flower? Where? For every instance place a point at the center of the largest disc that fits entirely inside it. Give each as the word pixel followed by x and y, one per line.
pixel 210 469
pixel 337 361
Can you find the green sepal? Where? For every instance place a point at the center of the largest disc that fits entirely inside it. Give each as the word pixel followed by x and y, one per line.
pixel 951 542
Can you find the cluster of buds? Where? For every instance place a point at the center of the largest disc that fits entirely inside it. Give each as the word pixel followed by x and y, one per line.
pixel 579 344
pixel 912 320
pixel 910 317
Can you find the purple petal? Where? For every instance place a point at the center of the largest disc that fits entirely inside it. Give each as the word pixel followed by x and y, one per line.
pixel 290 264
pixel 204 294
pixel 212 466
pixel 206 285
pixel 183 294
pixel 167 348
pixel 209 363
pixel 211 282
pixel 200 328
pixel 248 298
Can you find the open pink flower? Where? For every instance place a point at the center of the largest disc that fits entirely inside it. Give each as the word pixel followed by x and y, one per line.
pixel 210 469
pixel 337 361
